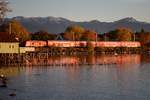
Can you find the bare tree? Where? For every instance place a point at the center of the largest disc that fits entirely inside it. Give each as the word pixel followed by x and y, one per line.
pixel 4 9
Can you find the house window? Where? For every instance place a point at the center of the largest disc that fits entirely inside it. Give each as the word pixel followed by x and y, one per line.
pixel 12 46
pixel 9 46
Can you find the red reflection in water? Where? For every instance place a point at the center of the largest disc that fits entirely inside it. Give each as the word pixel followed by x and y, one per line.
pixel 90 60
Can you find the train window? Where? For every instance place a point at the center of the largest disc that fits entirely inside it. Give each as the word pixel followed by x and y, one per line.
pixel 32 43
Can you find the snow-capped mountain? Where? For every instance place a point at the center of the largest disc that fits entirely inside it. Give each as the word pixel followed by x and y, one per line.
pixel 58 24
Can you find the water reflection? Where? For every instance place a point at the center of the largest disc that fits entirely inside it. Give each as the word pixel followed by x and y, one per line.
pixel 145 58
pixel 120 60
pixel 83 60
pixel 121 77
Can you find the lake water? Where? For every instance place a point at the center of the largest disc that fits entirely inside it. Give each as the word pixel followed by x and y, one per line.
pixel 107 77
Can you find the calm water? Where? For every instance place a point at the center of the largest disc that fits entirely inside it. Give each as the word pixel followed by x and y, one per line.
pixel 124 77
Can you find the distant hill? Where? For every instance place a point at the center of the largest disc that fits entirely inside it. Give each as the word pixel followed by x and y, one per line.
pixel 58 25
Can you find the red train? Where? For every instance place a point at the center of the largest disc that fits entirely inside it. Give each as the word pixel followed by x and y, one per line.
pixel 81 44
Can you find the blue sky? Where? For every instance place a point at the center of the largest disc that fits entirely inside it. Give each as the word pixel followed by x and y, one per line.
pixel 82 10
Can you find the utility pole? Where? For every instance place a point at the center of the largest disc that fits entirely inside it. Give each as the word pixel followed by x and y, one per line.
pixel 96 39
pixel 96 33
pixel 10 28
pixel 74 38
pixel 134 36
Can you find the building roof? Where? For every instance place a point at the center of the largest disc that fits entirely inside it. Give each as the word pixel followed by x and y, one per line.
pixel 59 37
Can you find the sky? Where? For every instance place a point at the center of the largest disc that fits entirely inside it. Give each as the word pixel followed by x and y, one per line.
pixel 82 10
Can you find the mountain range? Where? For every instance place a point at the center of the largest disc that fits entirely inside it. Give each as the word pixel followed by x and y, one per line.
pixel 58 24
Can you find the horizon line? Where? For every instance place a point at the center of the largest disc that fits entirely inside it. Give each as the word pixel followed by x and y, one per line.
pixel 94 19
